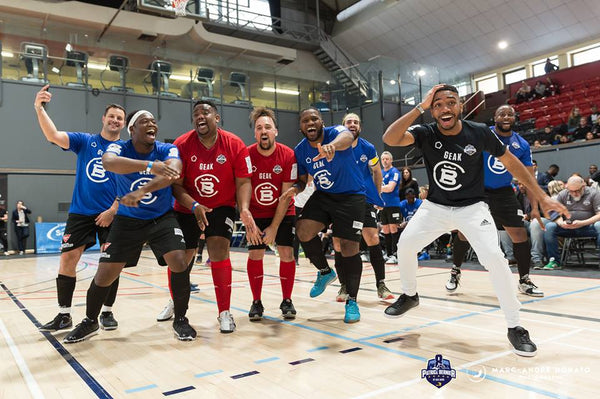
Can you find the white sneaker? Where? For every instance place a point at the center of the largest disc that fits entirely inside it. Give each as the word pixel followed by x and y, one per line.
pixel 167 312
pixel 392 260
pixel 364 257
pixel 226 323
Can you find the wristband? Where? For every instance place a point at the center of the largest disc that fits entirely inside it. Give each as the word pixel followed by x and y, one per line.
pixel 194 205
pixel 420 108
pixel 149 167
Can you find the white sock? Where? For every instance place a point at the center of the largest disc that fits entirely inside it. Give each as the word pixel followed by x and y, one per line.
pixel 64 310
pixel 106 308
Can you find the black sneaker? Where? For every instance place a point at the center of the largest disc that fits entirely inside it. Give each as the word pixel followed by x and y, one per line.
pixel 60 322
pixel 402 305
pixel 183 330
pixel 107 321
pixel 256 311
pixel 522 345
pixel 454 280
pixel 83 330
pixel 287 309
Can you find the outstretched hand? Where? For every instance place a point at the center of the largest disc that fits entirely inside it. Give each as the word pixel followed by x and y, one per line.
pixel 326 151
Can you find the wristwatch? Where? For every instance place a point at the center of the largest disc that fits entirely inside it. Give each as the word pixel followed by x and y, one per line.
pixel 421 110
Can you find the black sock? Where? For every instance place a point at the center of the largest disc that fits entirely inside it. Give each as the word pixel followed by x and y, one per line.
pixel 522 254
pixel 201 243
pixel 388 244
pixel 377 262
pixel 395 238
pixel 339 268
pixel 353 272
pixel 96 296
pixel 314 252
pixel 180 284
pixel 65 286
pixel 459 249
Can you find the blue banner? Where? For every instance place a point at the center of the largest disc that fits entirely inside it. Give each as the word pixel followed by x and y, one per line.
pixel 49 236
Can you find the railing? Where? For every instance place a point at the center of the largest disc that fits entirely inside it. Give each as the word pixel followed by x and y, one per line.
pixel 473 97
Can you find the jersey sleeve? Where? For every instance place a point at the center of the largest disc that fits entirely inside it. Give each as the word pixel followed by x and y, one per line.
pixel 372 155
pixel 526 157
pixel 76 141
pixel 291 167
pixel 419 132
pixel 242 164
pixel 301 166
pixel 395 176
pixel 169 151
pixel 115 148
pixel 492 144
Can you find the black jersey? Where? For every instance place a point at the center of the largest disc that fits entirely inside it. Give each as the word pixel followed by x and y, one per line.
pixel 455 163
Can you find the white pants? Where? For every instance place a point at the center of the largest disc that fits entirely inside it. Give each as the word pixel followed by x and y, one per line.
pixel 477 224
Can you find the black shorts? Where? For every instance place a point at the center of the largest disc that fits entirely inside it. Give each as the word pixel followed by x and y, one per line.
pixel 82 230
pixel 370 216
pixel 285 232
pixel 345 211
pixel 220 223
pixel 391 215
pixel 128 235
pixel 505 207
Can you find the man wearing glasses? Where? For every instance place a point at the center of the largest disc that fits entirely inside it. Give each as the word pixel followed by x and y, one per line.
pixel 584 205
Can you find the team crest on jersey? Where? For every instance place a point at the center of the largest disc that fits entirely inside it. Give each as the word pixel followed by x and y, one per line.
pixel 94 144
pixel 277 169
pixel 265 194
pixel 363 158
pixel 446 174
pixel 194 158
pixel 147 199
pixel 495 166
pixel 116 148
pixel 470 150
pixel 206 185
pixel 438 145
pixel 221 159
pixel 95 171
pixel 308 160
pixel 516 145
pixel 322 178
pixel 173 152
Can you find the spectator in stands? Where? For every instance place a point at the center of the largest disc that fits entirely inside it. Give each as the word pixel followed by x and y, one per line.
pixel 546 134
pixel 564 139
pixel 524 93
pixel 593 118
pixel 423 192
pixel 583 204
pixel 593 168
pixel 580 133
pixel 537 144
pixel 551 87
pixel 545 178
pixel 407 182
pixel 539 90
pixel 535 169
pixel 574 117
pixel 536 231
pixel 589 136
pixel 550 67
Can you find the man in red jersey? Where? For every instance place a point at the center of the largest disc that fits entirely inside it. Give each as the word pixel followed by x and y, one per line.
pixel 274 171
pixel 216 173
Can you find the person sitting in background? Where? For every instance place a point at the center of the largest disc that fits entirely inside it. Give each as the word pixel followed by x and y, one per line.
pixel 407 181
pixel 537 144
pixel 593 118
pixel 524 92
pixel 539 90
pixel 423 192
pixel 564 139
pixel 574 117
pixel 589 136
pixel 580 133
pixel 551 87
pixel 545 178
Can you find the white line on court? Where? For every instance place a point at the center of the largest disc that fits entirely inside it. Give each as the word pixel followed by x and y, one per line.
pixel 31 383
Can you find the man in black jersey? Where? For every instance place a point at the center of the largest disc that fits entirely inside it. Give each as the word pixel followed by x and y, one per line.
pixel 453 152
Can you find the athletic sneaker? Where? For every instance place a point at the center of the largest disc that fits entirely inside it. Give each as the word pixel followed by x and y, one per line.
pixel 194 288
pixel 352 313
pixel 183 330
pixel 83 330
pixel 256 310
pixel 392 260
pixel 60 322
pixel 522 345
pixel 538 265
pixel 199 259
pixel 207 264
pixel 424 256
pixel 527 287
pixel 454 279
pixel 342 295
pixel 383 292
pixel 364 257
pixel 167 312
pixel 552 265
pixel 323 280
pixel 402 305
pixel 287 309
pixel 107 321
pixel 226 323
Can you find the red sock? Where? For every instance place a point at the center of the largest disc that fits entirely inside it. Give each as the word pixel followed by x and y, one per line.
pixel 287 273
pixel 255 277
pixel 221 274
pixel 169 278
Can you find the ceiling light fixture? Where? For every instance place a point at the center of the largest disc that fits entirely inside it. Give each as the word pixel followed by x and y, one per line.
pixel 281 91
pixel 392 82
pixel 421 73
pixel 502 44
pixel 7 54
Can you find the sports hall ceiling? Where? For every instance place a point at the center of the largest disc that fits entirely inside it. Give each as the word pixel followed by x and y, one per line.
pixel 460 37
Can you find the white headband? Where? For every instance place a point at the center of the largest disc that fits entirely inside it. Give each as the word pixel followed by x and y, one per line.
pixel 135 117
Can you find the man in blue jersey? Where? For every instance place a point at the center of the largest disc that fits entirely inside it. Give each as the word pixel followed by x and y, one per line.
pixel 144 170
pixel 409 206
pixel 326 154
pixel 368 161
pixel 390 215
pixel 504 206
pixel 93 206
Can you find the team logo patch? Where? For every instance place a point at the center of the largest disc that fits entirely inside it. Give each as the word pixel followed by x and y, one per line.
pixel 173 152
pixel 66 237
pixel 485 222
pixel 149 197
pixel 495 166
pixel 206 185
pixel 446 173
pixel 116 148
pixel 266 194
pixel 439 372
pixel 308 160
pixel 322 179
pixel 221 159
pixel 277 169
pixel 294 173
pixel 194 158
pixel 94 144
pixel 357 225
pixel 229 222
pixel 363 158
pixel 516 145
pixel 177 231
pixel 470 150
pixel 586 202
pixel 95 171
pixel 253 168
pixel 438 145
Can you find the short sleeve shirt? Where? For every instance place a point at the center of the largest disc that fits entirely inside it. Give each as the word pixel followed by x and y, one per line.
pixel 366 157
pixel 455 163
pixel 496 175
pixel 585 208
pixel 391 199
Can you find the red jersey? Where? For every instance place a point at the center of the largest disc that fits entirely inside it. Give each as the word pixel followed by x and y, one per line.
pixel 209 173
pixel 269 174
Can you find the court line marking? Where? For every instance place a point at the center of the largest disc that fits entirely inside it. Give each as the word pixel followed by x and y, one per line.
pixel 140 389
pixel 267 360
pixel 32 384
pixel 207 373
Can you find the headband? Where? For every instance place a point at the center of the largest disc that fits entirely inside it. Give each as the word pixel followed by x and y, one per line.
pixel 135 117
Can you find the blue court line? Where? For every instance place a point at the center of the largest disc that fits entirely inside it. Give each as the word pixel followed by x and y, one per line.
pixel 561 295
pixel 140 389
pixel 206 374
pixel 175 391
pixel 318 348
pixel 248 374
pixel 267 360
pixel 79 369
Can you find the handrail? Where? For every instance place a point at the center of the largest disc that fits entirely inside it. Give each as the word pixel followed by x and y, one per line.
pixel 477 106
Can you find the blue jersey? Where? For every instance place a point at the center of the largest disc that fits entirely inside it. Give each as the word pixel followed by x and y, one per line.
pixel 340 176
pixel 152 204
pixel 95 189
pixel 366 157
pixel 408 210
pixel 495 174
pixel 391 199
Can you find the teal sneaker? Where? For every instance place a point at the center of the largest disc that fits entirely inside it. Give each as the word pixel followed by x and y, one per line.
pixel 323 280
pixel 352 312
pixel 424 256
pixel 552 265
